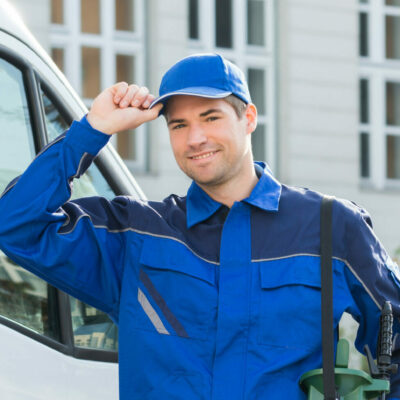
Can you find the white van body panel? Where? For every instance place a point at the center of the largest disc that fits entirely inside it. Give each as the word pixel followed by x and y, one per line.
pixel 30 370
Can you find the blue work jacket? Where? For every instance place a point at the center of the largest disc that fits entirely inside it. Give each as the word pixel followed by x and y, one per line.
pixel 212 303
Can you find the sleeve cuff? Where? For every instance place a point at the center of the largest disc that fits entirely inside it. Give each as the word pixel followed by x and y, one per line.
pixel 82 136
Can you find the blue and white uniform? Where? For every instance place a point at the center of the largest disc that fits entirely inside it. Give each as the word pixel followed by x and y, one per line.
pixel 212 303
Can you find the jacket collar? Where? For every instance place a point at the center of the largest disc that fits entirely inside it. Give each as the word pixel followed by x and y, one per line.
pixel 265 195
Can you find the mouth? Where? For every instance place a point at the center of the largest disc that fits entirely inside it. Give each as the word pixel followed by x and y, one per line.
pixel 203 155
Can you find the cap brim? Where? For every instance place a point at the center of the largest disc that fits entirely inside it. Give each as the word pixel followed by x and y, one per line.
pixel 207 92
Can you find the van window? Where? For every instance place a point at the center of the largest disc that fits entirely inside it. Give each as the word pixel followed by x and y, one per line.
pixel 24 298
pixel 16 139
pixel 92 183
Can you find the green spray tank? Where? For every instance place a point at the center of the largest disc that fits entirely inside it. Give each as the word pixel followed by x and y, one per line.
pixel 352 384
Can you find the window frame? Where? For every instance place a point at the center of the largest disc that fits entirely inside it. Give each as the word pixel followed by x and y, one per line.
pixel 110 42
pixel 377 69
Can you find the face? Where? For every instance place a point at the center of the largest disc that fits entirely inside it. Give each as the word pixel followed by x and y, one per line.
pixel 210 143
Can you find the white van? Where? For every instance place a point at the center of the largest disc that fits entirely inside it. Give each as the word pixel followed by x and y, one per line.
pixel 52 346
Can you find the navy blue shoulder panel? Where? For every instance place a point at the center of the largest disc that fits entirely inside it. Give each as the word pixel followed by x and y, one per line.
pixel 115 215
pixel 166 218
pixel 293 229
pixel 204 239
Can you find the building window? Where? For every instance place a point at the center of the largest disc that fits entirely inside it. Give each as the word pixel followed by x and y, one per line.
pixel 255 22
pixel 379 89
pixel 90 16
pixel 393 37
pixel 57 11
pixel 252 52
pixel 256 81
pixel 91 72
pixel 124 15
pixel 193 19
pixel 363 34
pixel 223 23
pixel 101 43
pixel 393 156
pixel 364 151
pixel 393 3
pixel 57 54
pixel 125 72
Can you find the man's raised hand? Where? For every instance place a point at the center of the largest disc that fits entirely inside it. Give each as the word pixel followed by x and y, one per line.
pixel 122 107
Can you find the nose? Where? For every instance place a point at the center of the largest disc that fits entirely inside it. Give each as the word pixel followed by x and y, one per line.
pixel 196 136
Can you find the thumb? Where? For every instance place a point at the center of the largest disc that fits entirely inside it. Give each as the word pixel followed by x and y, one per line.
pixel 154 112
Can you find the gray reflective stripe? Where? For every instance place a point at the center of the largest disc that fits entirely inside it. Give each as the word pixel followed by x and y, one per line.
pixel 170 317
pixel 151 313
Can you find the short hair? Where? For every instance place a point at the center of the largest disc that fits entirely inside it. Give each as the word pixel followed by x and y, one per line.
pixel 238 105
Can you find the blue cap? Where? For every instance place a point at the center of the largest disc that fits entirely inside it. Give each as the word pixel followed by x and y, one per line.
pixel 203 75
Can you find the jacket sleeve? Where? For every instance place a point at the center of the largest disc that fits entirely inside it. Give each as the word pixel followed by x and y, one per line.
pixel 373 278
pixel 57 239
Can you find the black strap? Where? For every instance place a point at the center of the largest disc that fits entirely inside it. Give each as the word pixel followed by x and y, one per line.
pixel 328 363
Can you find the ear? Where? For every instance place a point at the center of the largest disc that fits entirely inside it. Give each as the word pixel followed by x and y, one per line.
pixel 251 116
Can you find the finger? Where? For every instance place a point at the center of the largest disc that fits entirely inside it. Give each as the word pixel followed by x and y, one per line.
pixel 149 99
pixel 119 90
pixel 132 89
pixel 139 97
pixel 154 112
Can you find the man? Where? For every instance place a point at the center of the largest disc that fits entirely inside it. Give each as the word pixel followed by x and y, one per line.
pixel 216 294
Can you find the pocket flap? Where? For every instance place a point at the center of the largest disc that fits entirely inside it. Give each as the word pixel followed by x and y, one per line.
pixel 169 254
pixel 298 270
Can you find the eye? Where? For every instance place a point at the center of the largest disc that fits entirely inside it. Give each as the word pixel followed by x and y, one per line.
pixel 178 126
pixel 212 118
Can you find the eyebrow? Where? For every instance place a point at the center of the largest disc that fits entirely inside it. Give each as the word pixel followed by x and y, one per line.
pixel 175 121
pixel 211 110
pixel 203 114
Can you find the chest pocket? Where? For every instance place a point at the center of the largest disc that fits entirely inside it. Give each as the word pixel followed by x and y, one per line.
pixel 176 291
pixel 290 302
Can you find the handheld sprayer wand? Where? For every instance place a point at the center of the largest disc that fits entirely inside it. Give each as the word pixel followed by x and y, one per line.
pixel 383 368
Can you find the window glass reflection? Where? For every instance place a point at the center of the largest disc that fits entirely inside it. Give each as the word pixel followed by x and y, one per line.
pixel 24 298
pixel 16 139
pixel 28 300
pixel 92 328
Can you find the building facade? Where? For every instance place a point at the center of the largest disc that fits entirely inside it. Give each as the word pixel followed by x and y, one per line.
pixel 324 75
